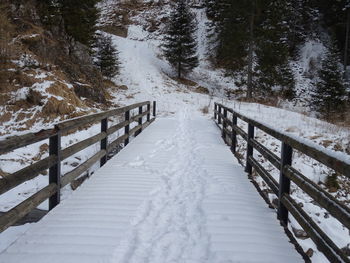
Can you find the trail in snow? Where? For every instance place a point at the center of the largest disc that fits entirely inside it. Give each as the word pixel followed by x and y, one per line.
pixel 171 226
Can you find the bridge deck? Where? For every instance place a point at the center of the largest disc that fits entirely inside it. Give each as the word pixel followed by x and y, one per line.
pixel 174 194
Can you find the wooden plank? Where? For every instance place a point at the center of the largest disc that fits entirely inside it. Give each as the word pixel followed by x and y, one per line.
pixel 75 123
pixel 117 127
pixel 284 182
pixel 240 132
pixel 68 177
pixel 273 158
pixel 225 119
pixel 340 166
pixel 121 139
pixel 271 182
pixel 138 116
pixel 69 151
pixel 327 201
pixel 104 141
pixel 135 129
pixel 19 211
pixel 147 123
pixel 15 142
pixel 117 141
pixel 322 241
pixel 25 174
pixel 55 170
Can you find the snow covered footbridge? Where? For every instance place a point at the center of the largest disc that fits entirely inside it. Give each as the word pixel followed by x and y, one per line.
pixel 174 194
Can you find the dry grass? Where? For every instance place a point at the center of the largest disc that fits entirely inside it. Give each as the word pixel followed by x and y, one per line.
pixel 205 110
pixel 202 90
pixel 186 82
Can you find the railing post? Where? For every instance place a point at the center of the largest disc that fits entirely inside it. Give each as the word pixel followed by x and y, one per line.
pixel 149 112
pixel 127 127
pixel 104 127
pixel 224 125
pixel 139 121
pixel 248 167
pixel 215 109
pixel 234 134
pixel 55 170
pixel 284 182
pixel 154 108
pixel 219 113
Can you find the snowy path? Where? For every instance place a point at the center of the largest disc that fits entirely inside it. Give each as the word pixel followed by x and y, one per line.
pixel 175 194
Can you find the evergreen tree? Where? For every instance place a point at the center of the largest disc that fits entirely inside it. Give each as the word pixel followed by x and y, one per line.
pixel 330 93
pixel 80 18
pixel 235 24
pixel 230 22
pixel 272 50
pixel 180 46
pixel 106 57
pixel 302 19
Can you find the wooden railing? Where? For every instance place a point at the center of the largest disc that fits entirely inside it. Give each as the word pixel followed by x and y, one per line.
pixel 57 155
pixel 227 121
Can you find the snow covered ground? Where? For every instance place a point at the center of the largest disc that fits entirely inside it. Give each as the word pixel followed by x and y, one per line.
pixel 148 77
pixel 175 194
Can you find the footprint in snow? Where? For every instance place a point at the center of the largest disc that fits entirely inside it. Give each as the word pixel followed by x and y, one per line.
pixel 138 162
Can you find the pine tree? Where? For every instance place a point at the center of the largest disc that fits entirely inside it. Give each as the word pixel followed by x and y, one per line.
pixel 235 24
pixel 180 46
pixel 231 24
pixel 330 93
pixel 106 57
pixel 80 18
pixel 272 50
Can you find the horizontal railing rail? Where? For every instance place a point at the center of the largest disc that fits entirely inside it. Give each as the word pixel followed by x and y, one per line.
pixel 227 121
pixel 57 154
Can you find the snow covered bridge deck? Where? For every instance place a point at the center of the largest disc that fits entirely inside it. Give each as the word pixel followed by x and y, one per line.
pixel 174 194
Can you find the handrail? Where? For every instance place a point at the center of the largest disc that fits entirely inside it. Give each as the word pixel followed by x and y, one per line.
pixel 310 149
pixel 57 154
pixel 227 118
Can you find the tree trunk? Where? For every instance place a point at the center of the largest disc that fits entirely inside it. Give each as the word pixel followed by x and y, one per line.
pixel 179 70
pixel 346 43
pixel 250 55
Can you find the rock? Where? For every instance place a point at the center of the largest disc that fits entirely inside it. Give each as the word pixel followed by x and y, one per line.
pixel 299 233
pixel 90 93
pixel 123 87
pixel 74 164
pixel 81 52
pixel 346 250
pixel 309 252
